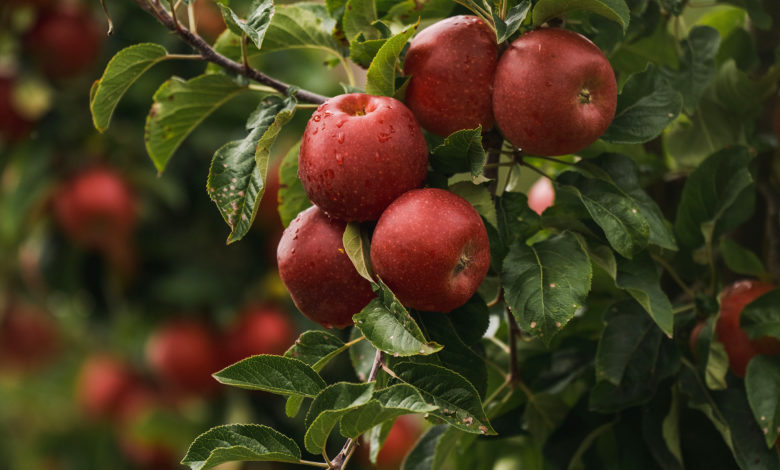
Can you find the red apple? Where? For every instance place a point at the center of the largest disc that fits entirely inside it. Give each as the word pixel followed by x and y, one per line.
pixel 260 329
pixel 405 432
pixel 95 208
pixel 14 127
pixel 209 19
pixel 319 275
pixel 29 338
pixel 541 195
pixel 184 354
pixel 452 63
pixel 360 152
pixel 739 347
pixel 268 213
pixel 554 92
pixel 65 40
pixel 102 385
pixel 431 248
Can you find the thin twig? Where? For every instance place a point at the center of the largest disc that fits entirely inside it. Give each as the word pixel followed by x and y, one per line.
pixel 210 55
pixel 514 333
pixel 674 276
pixel 550 159
pixel 313 464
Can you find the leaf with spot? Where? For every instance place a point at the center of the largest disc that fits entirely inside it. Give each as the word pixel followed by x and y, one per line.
pixel 329 407
pixel 237 176
pixel 240 443
pixel 545 283
pixel 275 374
pixel 762 384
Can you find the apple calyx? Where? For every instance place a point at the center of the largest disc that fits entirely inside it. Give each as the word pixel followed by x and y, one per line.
pixel 584 96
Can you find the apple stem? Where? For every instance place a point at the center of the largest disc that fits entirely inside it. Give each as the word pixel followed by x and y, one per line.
pixel 209 54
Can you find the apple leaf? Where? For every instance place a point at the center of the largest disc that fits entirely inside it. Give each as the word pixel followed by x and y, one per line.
pixel 240 443
pixel 615 10
pixel 514 19
pixel 386 404
pixel 328 408
pixel 740 259
pixel 359 15
pixel 762 383
pixel 292 197
pixel 393 330
pixel 642 280
pixel 121 72
pixel 544 414
pixel 363 52
pixel 316 348
pixel 460 152
pixel 376 438
pixel 302 25
pixel 380 78
pixel 479 196
pixel 256 24
pixel 762 316
pixel 458 402
pixel 275 374
pixel 179 106
pixel 697 65
pixel 545 283
pixel 433 448
pixel 646 105
pixel 713 361
pixel 718 196
pixel 238 171
pixel 356 245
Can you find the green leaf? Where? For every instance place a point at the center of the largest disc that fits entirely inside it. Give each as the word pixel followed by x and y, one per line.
pixel 361 355
pixel 356 245
pixel 661 429
pixel 363 52
pixel 697 65
pixel 380 78
pixel 740 259
pixel 179 106
pixel 292 197
pixel 543 414
pixel 717 197
pixel 238 171
pixel 514 19
pixel 615 10
pixel 275 374
pixel 619 216
pixel 359 15
pixel 646 105
pixel 460 152
pixel 762 383
pixel 642 280
pixel 544 284
pixel 433 448
pixel 713 360
pixel 479 196
pixel 516 220
pixel 327 409
pixel 316 348
pixel 240 443
pixel 471 320
pixel 458 401
pixel 393 330
pixel 256 24
pixel 386 404
pixel 303 25
pixel 762 316
pixel 121 72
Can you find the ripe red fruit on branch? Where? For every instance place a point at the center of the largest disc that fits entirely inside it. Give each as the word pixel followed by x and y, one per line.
pixel 431 248
pixel 739 347
pixel 260 329
pixel 65 40
pixel 541 195
pixel 319 275
pixel 452 64
pixel 209 19
pixel 102 384
pixel 184 354
pixel 554 92
pixel 360 152
pixel 95 207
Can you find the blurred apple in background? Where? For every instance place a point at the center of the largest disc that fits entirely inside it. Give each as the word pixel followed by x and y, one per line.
pixel 29 338
pixel 260 329
pixel 102 384
pixel 541 195
pixel 209 19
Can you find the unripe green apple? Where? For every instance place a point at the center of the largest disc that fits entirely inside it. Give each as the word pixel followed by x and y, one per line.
pixel 317 272
pixel 739 347
pixel 554 92
pixel 360 152
pixel 431 248
pixel 452 63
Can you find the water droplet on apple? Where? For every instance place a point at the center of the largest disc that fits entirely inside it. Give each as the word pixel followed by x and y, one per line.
pixel 341 123
pixel 316 118
pixel 339 159
pixel 341 137
pixel 383 137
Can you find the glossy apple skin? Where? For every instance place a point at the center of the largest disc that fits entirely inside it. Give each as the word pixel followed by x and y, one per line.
pixel 541 195
pixel 96 206
pixel 739 347
pixel 66 41
pixel 431 248
pixel 184 354
pixel 319 275
pixel 452 63
pixel 13 126
pixel 360 152
pixel 29 338
pixel 102 384
pixel 554 92
pixel 260 329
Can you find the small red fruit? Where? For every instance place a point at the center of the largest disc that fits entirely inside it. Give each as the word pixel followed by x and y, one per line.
pixel 739 347
pixel 29 338
pixel 431 248
pixel 319 275
pixel 184 354
pixel 102 384
pixel 400 441
pixel 554 92
pixel 541 195
pixel 360 152
pixel 452 63
pixel 259 330
pixel 209 19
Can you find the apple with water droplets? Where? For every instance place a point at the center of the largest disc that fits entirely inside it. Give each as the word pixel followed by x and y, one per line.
pixel 317 272
pixel 451 64
pixel 554 92
pixel 360 152
pixel 431 248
